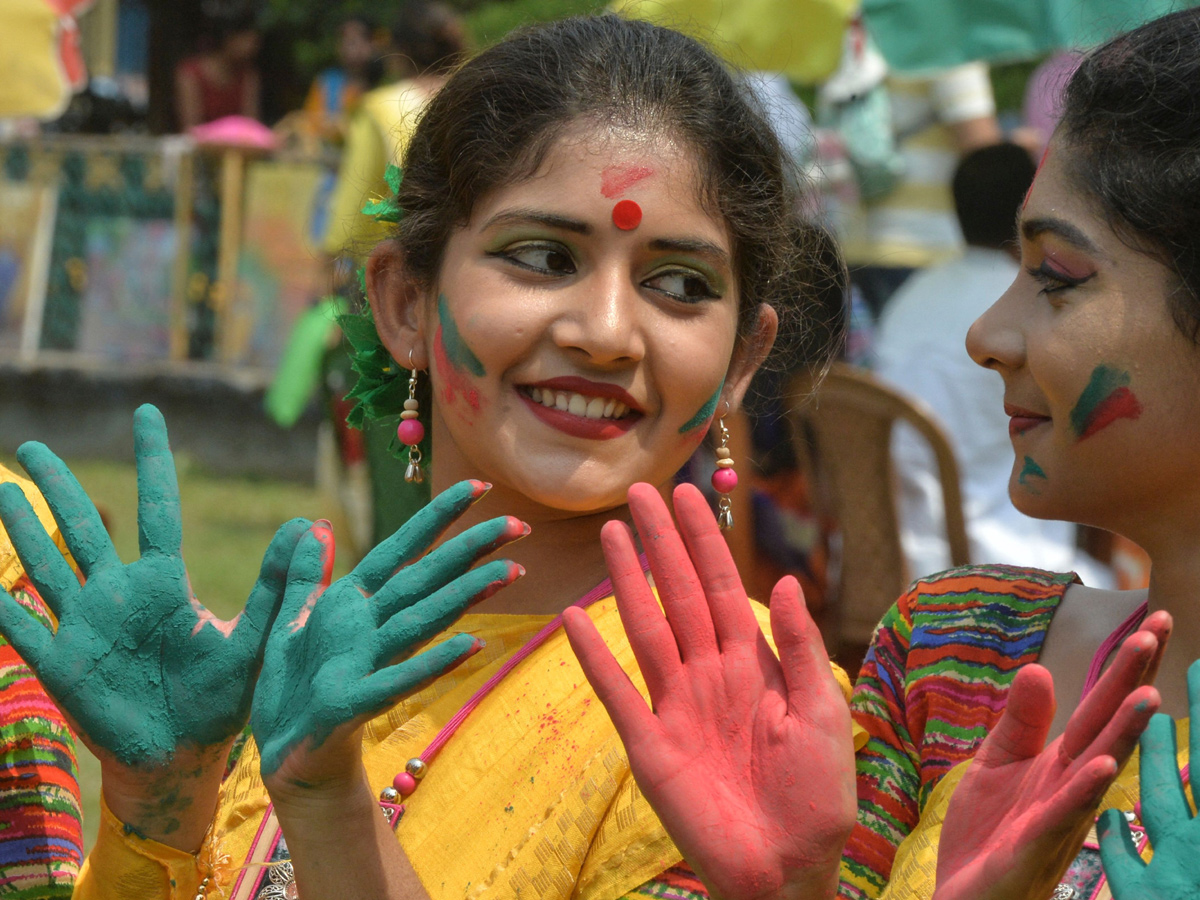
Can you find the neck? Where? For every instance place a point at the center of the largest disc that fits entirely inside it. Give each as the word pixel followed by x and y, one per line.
pixel 1174 586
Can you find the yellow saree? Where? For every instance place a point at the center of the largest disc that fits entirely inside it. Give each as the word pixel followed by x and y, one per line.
pixel 533 796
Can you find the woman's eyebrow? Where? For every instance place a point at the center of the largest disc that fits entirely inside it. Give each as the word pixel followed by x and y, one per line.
pixel 537 217
pixel 691 245
pixel 1032 228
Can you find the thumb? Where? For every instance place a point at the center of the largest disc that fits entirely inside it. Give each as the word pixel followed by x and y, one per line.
pixel 268 592
pixel 309 574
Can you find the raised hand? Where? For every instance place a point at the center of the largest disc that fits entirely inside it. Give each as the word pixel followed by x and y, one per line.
pixel 339 654
pixel 1023 808
pixel 1174 872
pixel 746 758
pixel 139 665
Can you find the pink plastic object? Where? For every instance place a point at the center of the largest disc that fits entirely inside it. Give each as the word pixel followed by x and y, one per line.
pixel 404 783
pixel 235 131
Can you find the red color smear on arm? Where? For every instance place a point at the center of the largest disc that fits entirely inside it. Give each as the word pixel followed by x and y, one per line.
pixel 616 180
pixel 456 381
pixel 1120 404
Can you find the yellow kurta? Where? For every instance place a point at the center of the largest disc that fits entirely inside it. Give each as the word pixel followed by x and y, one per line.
pixel 532 797
pixel 914 871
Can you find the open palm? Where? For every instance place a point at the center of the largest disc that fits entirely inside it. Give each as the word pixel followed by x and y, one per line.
pixel 746 758
pixel 140 666
pixel 1023 808
pixel 339 654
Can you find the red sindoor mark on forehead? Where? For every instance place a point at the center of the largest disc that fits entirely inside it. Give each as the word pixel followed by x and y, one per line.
pixel 627 215
pixel 616 180
pixel 1037 172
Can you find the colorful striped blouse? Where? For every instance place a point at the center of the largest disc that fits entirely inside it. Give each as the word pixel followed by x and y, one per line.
pixel 934 682
pixel 41 843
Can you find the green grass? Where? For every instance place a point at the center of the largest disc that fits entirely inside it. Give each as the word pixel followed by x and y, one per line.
pixel 227 524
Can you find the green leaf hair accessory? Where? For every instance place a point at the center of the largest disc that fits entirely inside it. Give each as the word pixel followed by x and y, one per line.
pixel 387 209
pixel 381 389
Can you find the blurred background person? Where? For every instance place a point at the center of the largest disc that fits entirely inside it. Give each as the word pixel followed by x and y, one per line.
pixel 920 349
pixel 336 91
pixel 222 79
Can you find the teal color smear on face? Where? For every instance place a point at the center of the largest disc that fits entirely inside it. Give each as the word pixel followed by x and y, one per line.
pixel 329 660
pixel 705 412
pixel 1030 470
pixel 456 348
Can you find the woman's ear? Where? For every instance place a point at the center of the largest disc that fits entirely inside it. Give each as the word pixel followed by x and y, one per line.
pixel 751 352
pixel 397 303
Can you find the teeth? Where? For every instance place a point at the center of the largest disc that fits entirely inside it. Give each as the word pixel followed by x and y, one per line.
pixel 578 404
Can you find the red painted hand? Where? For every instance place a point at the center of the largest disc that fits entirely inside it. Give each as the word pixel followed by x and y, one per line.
pixel 746 758
pixel 1021 812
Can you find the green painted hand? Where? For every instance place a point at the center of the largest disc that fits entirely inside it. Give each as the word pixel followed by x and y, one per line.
pixel 1174 872
pixel 339 654
pixel 137 662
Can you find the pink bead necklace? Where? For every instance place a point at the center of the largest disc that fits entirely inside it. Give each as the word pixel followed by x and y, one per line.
pixel 406 781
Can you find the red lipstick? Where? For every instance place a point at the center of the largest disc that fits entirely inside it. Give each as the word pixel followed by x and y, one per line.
pixel 581 426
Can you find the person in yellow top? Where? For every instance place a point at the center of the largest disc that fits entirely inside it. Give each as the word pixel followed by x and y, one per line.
pixel 594 245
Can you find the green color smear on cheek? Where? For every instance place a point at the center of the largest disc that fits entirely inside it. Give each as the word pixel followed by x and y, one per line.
pixel 456 348
pixel 1030 470
pixel 705 413
pixel 1106 399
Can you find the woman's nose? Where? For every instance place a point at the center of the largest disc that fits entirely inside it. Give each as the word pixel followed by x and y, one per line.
pixel 995 340
pixel 604 318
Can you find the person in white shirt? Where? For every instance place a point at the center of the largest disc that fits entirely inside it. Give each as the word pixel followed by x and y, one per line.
pixel 920 350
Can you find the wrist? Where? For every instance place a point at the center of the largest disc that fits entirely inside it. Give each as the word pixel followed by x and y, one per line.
pixel 172 803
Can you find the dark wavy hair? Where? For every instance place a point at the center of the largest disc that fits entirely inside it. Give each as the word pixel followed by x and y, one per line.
pixel 498 115
pixel 1132 122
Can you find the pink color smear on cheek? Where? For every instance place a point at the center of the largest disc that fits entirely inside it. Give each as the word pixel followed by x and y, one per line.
pixel 456 381
pixel 616 180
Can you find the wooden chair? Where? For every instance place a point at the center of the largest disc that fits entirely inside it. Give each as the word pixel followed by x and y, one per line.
pixel 842 429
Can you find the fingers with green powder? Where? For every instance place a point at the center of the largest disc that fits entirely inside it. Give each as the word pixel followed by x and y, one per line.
pixel 411 627
pixel 390 685
pixel 1174 833
pixel 418 534
pixel 43 562
pixel 253 625
pixel 76 515
pixel 445 564
pixel 160 526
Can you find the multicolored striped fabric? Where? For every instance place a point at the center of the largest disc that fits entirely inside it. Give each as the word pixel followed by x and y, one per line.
pixel 933 685
pixel 677 883
pixel 41 841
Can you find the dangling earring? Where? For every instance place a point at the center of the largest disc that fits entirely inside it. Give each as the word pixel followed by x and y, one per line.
pixel 411 431
pixel 724 479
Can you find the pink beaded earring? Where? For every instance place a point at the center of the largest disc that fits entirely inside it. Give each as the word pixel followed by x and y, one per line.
pixel 724 479
pixel 410 430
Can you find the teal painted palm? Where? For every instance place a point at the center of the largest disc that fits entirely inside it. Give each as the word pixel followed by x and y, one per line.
pixel 137 662
pixel 339 654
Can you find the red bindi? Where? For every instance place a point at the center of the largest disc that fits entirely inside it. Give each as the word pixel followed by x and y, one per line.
pixel 627 215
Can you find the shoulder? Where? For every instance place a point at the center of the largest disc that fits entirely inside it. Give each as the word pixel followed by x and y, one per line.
pixel 987 587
